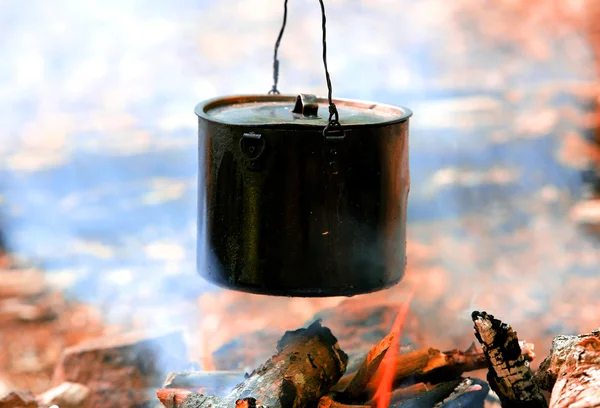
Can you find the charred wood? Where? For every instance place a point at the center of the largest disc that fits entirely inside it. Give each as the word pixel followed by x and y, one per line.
pixel 308 362
pixel 578 383
pixel 509 373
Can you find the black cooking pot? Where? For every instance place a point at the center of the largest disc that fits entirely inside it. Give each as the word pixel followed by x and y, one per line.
pixel 288 209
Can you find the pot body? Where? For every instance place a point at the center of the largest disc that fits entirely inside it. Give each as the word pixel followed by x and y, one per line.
pixel 285 211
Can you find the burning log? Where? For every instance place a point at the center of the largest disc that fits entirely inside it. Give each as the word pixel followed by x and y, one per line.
pixel 578 383
pixel 308 362
pixel 358 383
pixel 562 347
pixel 509 374
pixel 433 365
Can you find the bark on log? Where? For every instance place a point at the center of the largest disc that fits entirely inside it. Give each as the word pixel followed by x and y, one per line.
pixel 578 383
pixel 509 373
pixel 308 362
pixel 562 346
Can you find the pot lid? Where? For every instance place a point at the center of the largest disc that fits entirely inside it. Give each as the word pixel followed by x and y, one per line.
pixel 296 110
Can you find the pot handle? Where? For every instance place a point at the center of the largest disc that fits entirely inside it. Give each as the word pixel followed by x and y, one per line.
pixel 334 129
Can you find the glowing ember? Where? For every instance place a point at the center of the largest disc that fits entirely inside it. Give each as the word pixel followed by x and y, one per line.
pixel 385 373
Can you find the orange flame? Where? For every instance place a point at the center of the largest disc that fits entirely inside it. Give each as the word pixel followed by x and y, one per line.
pixel 387 368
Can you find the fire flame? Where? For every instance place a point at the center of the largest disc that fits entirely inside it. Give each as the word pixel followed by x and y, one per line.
pixel 387 368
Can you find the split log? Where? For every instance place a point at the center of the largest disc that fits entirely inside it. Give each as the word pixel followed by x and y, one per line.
pixel 578 383
pixel 433 365
pixel 205 382
pixel 308 362
pixel 562 346
pixel 66 395
pixel 509 373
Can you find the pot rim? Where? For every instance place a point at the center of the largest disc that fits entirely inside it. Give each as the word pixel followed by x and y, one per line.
pixel 201 110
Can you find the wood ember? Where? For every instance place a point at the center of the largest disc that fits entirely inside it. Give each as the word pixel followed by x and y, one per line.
pixel 308 362
pixel 578 383
pixel 19 399
pixel 562 346
pixel 66 395
pixel 509 373
pixel 205 382
pixel 119 368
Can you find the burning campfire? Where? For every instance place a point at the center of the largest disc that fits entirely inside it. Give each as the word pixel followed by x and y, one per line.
pixel 309 368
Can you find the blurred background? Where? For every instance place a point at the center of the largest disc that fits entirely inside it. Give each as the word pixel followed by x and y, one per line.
pixel 98 155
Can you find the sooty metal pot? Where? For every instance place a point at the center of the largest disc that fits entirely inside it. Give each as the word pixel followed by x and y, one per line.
pixel 288 209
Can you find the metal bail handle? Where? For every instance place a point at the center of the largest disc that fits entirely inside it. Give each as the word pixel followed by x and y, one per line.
pixel 334 128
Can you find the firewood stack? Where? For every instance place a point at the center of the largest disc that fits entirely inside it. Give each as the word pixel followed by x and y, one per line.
pixel 309 370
